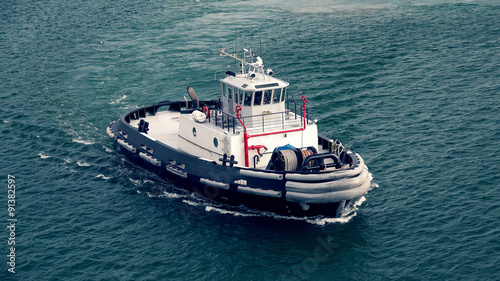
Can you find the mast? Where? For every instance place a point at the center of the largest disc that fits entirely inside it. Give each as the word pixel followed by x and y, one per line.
pixel 253 67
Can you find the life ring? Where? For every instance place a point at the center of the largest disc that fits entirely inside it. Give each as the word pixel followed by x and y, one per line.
pixel 206 111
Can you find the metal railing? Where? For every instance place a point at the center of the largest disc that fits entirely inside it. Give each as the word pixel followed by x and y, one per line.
pixel 260 123
pixel 222 119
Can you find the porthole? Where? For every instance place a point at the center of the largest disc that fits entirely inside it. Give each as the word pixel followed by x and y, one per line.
pixel 194 131
pixel 216 142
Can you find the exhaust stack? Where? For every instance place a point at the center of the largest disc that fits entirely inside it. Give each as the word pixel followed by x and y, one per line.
pixel 194 97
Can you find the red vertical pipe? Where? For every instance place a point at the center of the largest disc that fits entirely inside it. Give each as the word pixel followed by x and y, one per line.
pixel 246 136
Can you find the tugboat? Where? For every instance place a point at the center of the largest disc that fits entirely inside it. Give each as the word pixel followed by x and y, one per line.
pixel 253 146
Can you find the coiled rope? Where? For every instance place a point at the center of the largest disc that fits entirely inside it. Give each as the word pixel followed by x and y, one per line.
pixel 307 152
pixel 290 160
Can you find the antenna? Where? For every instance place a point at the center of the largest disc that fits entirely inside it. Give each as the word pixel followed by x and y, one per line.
pixel 253 66
pixel 245 51
pixel 235 64
pixel 260 39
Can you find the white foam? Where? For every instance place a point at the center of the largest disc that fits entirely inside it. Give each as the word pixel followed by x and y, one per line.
pixel 85 142
pixel 320 221
pixel 43 156
pixel 350 211
pixel 135 182
pixel 229 212
pixel 165 194
pixel 193 200
pixel 170 195
pixel 191 203
pixel 325 221
pixel 101 176
pixel 119 99
pixel 83 164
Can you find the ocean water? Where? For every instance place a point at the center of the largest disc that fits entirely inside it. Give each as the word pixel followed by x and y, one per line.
pixel 413 86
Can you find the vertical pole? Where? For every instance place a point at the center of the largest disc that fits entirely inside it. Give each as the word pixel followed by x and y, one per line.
pixel 304 100
pixel 245 134
pixel 263 128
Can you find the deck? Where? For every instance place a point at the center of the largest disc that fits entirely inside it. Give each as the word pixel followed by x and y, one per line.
pixel 163 127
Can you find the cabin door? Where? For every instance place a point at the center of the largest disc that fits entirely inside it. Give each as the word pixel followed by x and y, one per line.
pixel 230 97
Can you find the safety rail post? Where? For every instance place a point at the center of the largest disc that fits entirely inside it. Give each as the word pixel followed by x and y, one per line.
pixel 294 103
pixel 263 128
pixel 304 109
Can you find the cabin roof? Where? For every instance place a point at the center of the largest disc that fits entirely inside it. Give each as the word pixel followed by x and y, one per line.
pixel 258 83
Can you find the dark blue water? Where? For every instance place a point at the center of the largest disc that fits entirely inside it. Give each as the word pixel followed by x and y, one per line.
pixel 413 86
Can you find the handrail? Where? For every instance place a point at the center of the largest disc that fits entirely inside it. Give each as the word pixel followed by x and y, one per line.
pixel 247 136
pixel 254 122
pixel 316 162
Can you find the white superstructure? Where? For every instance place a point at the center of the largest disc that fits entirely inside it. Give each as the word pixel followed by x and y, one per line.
pixel 252 117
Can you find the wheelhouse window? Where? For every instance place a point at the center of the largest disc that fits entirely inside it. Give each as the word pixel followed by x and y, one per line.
pixel 248 99
pixel 268 94
pixel 283 94
pixel 277 95
pixel 236 95
pixel 230 92
pixel 258 98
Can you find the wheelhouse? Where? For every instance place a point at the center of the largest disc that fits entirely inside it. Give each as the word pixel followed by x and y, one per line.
pixel 255 91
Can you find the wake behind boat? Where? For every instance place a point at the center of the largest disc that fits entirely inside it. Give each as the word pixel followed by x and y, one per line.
pixel 254 146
